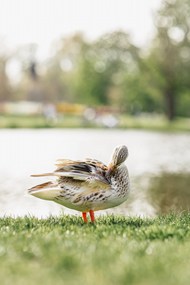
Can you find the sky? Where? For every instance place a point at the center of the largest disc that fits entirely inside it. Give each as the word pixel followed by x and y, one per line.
pixel 44 22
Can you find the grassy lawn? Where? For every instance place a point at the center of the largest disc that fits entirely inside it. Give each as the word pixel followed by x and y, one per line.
pixel 116 250
pixel 159 123
pixel 13 121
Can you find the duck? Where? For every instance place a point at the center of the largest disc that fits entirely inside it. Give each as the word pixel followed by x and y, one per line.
pixel 87 185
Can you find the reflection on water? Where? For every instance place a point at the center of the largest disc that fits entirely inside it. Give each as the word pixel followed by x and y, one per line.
pixel 170 192
pixel 24 152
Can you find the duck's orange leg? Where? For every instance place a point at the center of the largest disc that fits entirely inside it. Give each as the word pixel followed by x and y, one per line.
pixel 92 216
pixel 84 217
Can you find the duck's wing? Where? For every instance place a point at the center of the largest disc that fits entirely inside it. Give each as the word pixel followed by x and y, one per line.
pixel 89 170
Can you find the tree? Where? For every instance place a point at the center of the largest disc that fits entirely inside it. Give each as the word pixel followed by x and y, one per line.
pixel 61 70
pixel 142 94
pixel 103 66
pixel 5 90
pixel 171 51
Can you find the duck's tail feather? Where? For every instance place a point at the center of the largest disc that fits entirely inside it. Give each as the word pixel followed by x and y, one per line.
pixel 43 174
pixel 46 191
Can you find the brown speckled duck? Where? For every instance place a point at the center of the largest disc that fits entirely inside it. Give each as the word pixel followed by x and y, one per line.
pixel 87 185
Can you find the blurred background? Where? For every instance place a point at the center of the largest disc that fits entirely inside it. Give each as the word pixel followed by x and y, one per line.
pixel 79 77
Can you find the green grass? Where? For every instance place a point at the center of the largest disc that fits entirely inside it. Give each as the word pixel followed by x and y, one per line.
pixel 116 250
pixel 14 121
pixel 159 123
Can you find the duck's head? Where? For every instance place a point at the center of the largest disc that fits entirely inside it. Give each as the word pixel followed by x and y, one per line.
pixel 119 156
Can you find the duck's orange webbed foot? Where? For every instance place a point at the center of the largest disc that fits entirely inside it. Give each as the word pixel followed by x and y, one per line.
pixel 92 216
pixel 84 217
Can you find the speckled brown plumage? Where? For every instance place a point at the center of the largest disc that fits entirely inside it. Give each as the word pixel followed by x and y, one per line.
pixel 87 185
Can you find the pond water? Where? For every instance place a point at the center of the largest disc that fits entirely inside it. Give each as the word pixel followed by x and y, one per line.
pixel 25 152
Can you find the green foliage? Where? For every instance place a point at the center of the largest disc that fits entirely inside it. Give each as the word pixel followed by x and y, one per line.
pixel 183 103
pixel 140 95
pixel 171 52
pixel 161 82
pixel 113 71
pixel 116 250
pixel 91 84
pixel 102 67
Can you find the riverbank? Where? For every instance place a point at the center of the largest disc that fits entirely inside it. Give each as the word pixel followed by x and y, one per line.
pixel 157 123
pixel 116 250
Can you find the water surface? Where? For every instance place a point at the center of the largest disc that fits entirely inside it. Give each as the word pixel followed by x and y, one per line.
pixel 25 152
